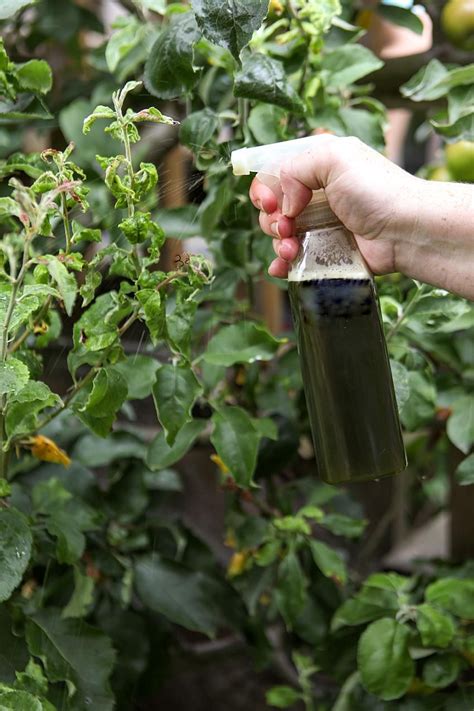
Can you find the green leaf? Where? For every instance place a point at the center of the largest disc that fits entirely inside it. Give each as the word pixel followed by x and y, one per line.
pixel 10 7
pixel 442 670
pixel 19 701
pixel 329 562
pixel 460 427
pixel 419 408
pixel 35 76
pixel 22 414
pixel 66 518
pixel 158 6
pixel 13 376
pixel 366 125
pixel 180 222
pixel 382 594
pixel 13 651
pixel 230 24
pixel 140 227
pixel 161 455
pixel 33 680
pixel 282 696
pixel 139 372
pixel 174 393
pixel 93 451
pixel 82 597
pixel 268 123
pixel 236 442
pixel 342 525
pixel 85 234
pixel 266 427
pixel 122 42
pixel 100 112
pixel 290 590
pixel 15 550
pixel 154 314
pixel 169 70
pixel 264 79
pixel 435 80
pixel 456 595
pixel 400 382
pixel 347 64
pixel 436 629
pixel 465 471
pixel 76 653
pixel 109 390
pixel 245 342
pixel 65 281
pixel 178 593
pixel 401 16
pixel 163 480
pixel 385 666
pixel 198 128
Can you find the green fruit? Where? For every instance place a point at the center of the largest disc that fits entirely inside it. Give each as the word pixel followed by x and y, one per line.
pixel 457 21
pixel 440 172
pixel 460 161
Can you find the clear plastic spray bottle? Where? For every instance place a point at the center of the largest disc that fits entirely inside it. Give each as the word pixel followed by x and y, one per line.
pixel 343 354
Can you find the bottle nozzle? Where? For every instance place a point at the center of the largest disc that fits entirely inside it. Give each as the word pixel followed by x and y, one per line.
pixel 268 158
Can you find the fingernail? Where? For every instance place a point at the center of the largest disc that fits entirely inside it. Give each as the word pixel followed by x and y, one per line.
pixel 274 229
pixel 285 206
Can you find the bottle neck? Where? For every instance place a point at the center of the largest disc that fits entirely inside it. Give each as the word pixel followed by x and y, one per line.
pixel 316 215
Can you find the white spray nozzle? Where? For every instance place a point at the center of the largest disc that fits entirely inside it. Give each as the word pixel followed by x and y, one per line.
pixel 268 159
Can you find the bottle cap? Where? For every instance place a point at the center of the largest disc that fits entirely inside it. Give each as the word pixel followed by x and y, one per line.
pixel 316 214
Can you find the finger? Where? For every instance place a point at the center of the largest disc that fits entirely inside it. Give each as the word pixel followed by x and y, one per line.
pixel 276 225
pixel 278 268
pixel 288 249
pixel 307 172
pixel 263 197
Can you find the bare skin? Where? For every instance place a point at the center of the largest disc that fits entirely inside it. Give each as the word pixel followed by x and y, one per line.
pixel 421 228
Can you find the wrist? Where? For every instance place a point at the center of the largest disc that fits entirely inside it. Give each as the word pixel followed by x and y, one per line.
pixel 435 242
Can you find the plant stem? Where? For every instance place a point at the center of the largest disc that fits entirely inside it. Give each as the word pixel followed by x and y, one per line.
pixel 21 339
pixel 67 224
pixel 408 308
pixel 16 284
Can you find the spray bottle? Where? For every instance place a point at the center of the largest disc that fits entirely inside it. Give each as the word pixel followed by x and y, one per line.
pixel 343 354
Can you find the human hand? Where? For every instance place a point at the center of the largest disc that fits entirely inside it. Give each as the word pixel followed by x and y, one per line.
pixel 373 198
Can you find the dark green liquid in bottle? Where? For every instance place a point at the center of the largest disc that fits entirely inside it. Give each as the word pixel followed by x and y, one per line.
pixel 347 379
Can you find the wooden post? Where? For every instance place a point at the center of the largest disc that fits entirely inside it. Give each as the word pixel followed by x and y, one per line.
pixel 174 194
pixel 272 305
pixel 462 518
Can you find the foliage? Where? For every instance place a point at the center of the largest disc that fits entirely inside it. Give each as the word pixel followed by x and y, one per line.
pixel 99 569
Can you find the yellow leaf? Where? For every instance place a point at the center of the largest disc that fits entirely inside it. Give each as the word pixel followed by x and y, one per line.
pixel 237 564
pixel 230 540
pixel 48 451
pixel 40 327
pixel 218 461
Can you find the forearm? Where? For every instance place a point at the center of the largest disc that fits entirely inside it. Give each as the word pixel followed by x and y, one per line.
pixel 437 245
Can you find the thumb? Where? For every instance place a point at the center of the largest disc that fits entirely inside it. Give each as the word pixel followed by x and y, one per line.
pixel 306 172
